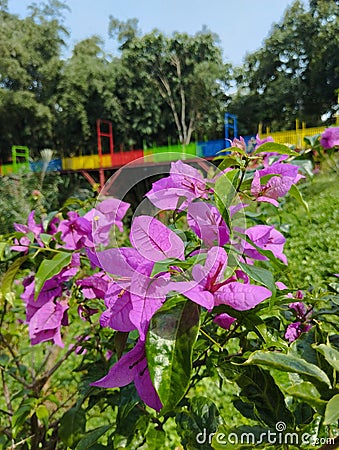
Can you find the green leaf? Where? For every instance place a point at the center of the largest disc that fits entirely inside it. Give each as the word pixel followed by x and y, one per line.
pixel 72 426
pixel 294 191
pixel 46 238
pixel 332 410
pixel 225 191
pixel 258 388
pixel 92 437
pixel 227 161
pixel 308 393
pixel 42 414
pixel 50 267
pixel 3 246
pixel 330 354
pixel 155 438
pixel 262 276
pixel 25 410
pixel 198 423
pixel 305 391
pixel 172 333
pixel 162 266
pixel 270 147
pixel 288 363
pixel 7 281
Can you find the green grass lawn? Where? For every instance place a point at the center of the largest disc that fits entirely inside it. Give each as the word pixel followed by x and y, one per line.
pixel 312 241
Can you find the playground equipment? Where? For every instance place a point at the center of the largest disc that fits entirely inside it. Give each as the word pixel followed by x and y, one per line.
pixel 116 158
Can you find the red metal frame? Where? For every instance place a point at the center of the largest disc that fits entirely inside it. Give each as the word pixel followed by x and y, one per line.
pixel 109 135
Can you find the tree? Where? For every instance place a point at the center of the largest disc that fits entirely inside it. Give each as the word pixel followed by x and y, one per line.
pixel 295 74
pixel 29 69
pixel 185 76
pixel 85 93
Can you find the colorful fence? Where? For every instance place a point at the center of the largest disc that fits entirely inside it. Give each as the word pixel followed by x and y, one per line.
pixel 207 149
pixel 293 137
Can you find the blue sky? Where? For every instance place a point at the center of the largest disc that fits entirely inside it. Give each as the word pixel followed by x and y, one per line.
pixel 242 25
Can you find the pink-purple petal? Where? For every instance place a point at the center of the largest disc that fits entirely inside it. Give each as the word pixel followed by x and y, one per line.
pixel 154 241
pixel 241 296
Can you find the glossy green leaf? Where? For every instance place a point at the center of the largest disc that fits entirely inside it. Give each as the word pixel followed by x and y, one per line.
pixel 172 333
pixel 162 266
pixel 270 147
pixel 42 414
pixel 50 267
pixel 294 191
pixel 227 161
pixel 92 437
pixel 258 388
pixel 306 392
pixel 288 363
pixel 332 410
pixel 225 191
pixel 329 353
pixel 259 274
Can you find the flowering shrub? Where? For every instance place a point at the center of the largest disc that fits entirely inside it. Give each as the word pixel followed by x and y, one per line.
pixel 195 292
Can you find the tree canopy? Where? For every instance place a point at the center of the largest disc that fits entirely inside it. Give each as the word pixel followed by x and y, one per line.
pixel 295 73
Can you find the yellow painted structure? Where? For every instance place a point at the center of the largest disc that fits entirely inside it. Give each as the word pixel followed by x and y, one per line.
pixel 291 137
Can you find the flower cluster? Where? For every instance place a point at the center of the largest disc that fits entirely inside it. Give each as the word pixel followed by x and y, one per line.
pixel 206 256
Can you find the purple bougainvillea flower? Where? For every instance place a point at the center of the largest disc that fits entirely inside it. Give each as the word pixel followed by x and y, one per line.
pixel 267 238
pixel 119 306
pixel 23 243
pixel 330 138
pixel 51 290
pixel 224 320
pixel 239 143
pixel 136 295
pixel 302 324
pixel 94 286
pixel 260 142
pixel 295 329
pixel 75 231
pixel 210 288
pixel 132 301
pixel 184 182
pixel 46 322
pixel 147 296
pixel 284 175
pixel 132 366
pixel 207 223
pixel 299 308
pixel 109 212
pixel 154 241
pixel 281 286
pixel 41 326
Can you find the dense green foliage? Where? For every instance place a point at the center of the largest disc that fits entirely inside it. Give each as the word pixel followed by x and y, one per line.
pixel 158 88
pixel 295 74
